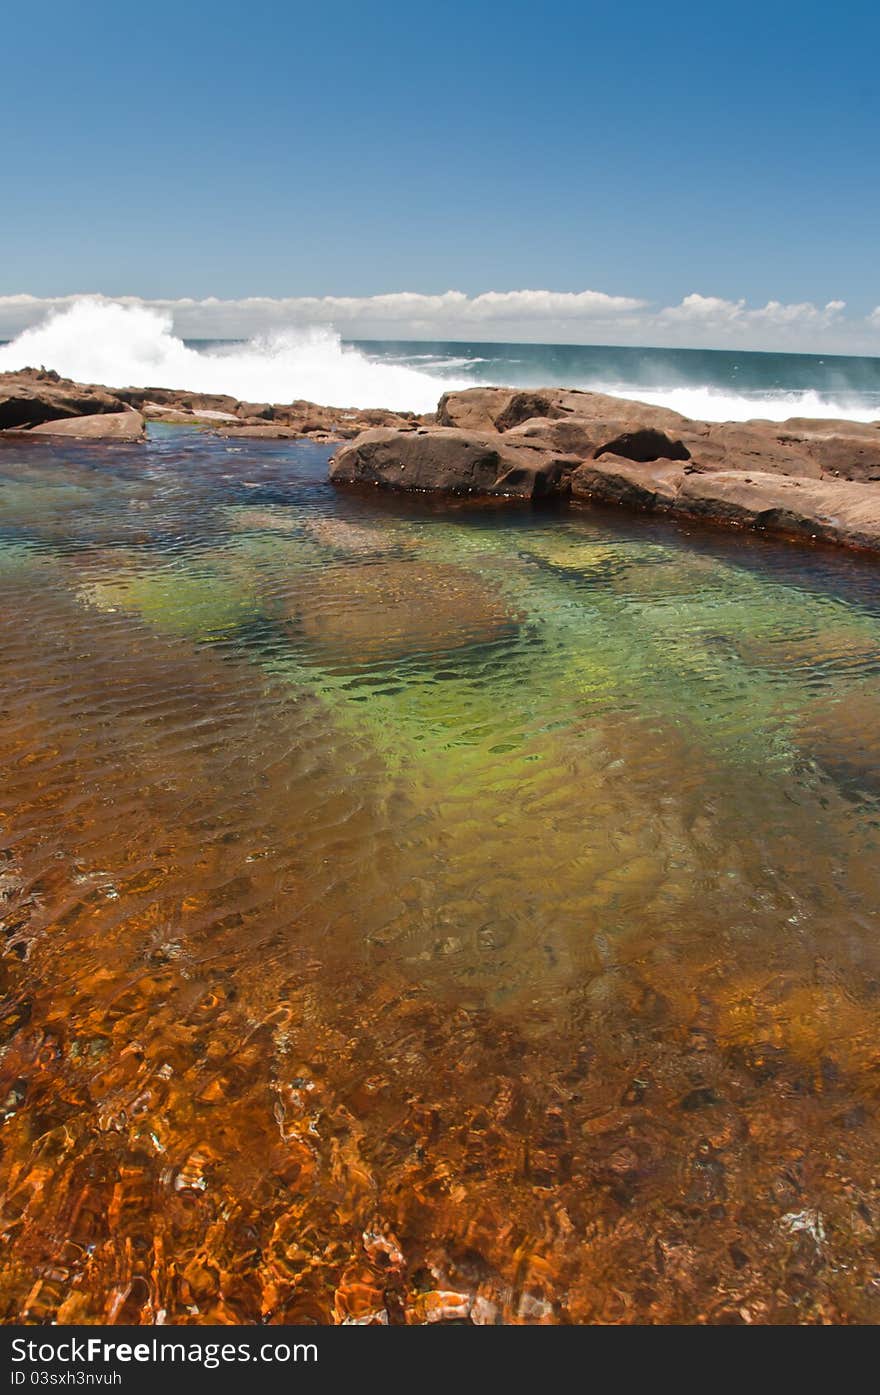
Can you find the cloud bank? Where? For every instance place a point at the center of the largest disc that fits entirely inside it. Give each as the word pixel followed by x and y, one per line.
pixel 530 316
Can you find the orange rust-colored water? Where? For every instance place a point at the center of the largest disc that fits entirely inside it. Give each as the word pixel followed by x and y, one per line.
pixel 425 915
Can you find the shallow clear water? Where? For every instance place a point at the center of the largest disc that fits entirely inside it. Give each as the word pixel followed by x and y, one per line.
pixel 418 913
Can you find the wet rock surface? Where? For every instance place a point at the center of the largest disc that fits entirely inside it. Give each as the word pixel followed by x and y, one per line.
pixel 453 462
pixel 108 426
pixel 614 480
pixel 815 509
pixel 34 396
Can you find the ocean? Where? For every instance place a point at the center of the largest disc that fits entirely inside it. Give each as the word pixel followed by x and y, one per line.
pixel 128 346
pixel 712 384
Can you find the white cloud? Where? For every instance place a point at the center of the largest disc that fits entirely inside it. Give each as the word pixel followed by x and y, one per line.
pixel 716 312
pixel 699 321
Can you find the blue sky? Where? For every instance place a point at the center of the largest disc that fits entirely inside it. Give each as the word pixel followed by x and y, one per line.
pixel 644 151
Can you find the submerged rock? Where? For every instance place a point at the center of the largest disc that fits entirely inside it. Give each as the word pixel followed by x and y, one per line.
pixel 261 517
pixel 574 553
pixel 844 647
pixel 16 557
pixel 393 610
pixel 355 538
pixel 199 605
pixel 841 732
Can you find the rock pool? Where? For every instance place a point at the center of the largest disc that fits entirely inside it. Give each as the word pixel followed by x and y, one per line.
pixel 416 913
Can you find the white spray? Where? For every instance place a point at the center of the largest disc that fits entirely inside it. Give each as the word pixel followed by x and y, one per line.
pixel 94 341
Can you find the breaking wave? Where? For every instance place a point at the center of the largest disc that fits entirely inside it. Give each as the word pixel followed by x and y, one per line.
pixel 134 345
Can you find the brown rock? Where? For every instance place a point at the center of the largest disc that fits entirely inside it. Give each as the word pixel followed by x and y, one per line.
pixel 829 426
pixel 590 423
pixel 837 511
pixel 209 414
pixel 292 419
pixel 107 426
pixel 571 435
pixel 310 419
pixel 502 409
pixel 183 416
pixel 849 450
pixel 267 431
pixel 34 396
pixel 623 435
pixel 643 444
pixel 192 403
pixel 750 445
pixel 617 481
pixel 173 416
pixel 475 409
pixel 848 454
pixel 452 462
